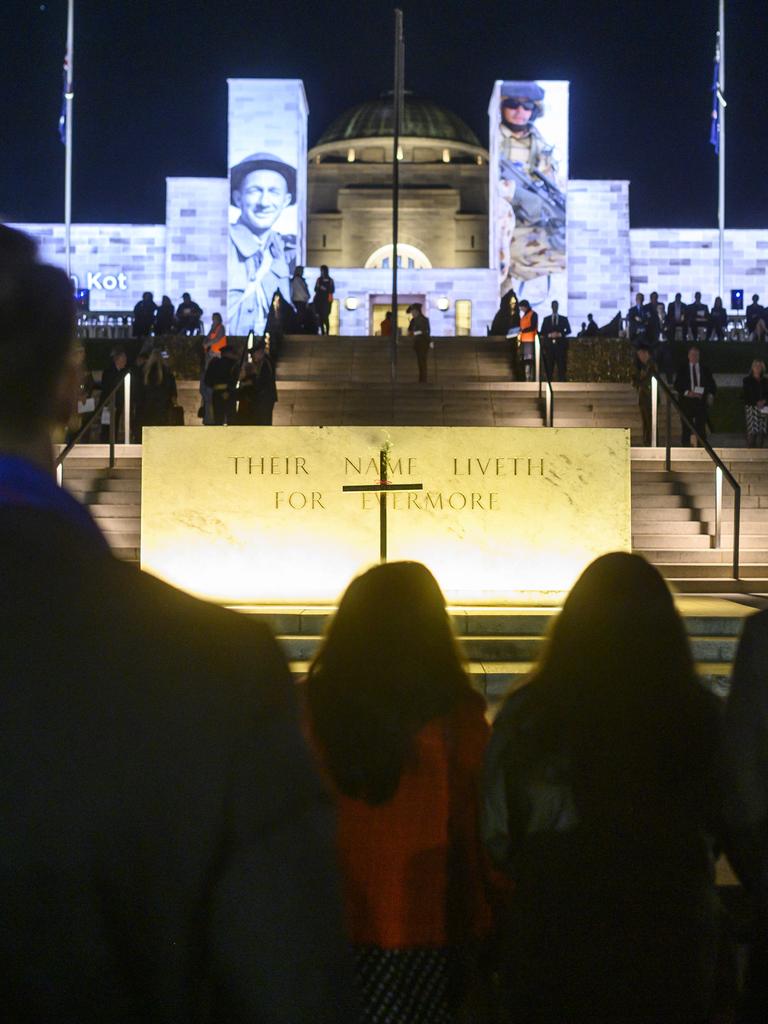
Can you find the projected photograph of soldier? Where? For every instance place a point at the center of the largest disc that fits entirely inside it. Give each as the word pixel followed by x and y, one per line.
pixel 532 212
pixel 261 259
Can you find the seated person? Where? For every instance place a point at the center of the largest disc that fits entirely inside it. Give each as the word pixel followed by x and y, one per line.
pixel 756 320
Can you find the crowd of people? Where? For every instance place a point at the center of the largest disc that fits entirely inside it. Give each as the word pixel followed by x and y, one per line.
pixel 151 319
pixel 298 313
pixel 190 838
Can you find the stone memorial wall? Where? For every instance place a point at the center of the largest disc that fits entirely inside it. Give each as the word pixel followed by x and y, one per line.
pixel 254 515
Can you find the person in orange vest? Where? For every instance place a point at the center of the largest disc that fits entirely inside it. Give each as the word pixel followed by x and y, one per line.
pixel 529 327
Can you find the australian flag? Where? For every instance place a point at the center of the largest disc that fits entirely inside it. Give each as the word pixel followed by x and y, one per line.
pixel 63 115
pixel 714 130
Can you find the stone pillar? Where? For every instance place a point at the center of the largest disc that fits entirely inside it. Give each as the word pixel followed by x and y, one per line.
pixel 268 195
pixel 196 248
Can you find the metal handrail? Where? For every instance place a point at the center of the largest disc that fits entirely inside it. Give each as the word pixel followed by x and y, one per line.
pixel 721 470
pixel 106 400
pixel 549 398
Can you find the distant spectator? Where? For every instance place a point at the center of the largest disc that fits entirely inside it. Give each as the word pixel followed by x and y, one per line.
pixel 696 317
pixel 144 313
pixel 554 332
pixel 216 338
pixel 645 371
pixel 755 391
pixel 507 317
pixel 598 802
pixel 591 328
pixel 637 320
pixel 420 330
pixel 717 325
pixel 221 378
pixel 157 394
pixel 257 393
pixel 279 312
pixel 696 389
pixel 165 317
pixel 655 311
pixel 756 319
pixel 401 737
pixel 188 315
pixel 529 328
pixel 299 291
pixel 675 319
pixel 214 342
pixel 323 300
pixel 385 327
pixel 111 375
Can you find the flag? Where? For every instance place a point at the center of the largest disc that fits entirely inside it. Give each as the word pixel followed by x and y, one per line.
pixel 63 115
pixel 714 130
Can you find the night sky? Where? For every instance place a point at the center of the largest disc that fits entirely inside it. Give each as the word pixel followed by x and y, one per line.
pixel 151 94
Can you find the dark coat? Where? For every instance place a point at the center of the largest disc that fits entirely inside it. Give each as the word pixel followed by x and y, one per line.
pixel 155 400
pixel 167 848
pixel 601 906
pixel 562 325
pixel 257 394
pixel 683 380
pixel 754 390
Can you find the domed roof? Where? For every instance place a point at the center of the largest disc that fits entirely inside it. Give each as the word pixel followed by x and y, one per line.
pixel 422 119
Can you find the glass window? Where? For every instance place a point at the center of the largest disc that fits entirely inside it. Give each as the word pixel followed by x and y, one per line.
pixel 463 316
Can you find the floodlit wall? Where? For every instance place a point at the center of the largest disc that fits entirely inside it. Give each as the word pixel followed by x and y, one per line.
pixel 268 195
pixel 669 260
pixel 196 255
pixel 598 250
pixel 117 262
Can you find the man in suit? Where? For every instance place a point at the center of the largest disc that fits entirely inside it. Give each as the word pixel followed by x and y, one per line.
pixel 675 318
pixel 637 320
pixel 744 790
pixel 697 316
pixel 696 389
pixel 166 853
pixel 554 333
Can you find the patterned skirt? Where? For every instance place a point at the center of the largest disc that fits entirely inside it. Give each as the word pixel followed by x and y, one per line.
pixel 404 986
pixel 757 423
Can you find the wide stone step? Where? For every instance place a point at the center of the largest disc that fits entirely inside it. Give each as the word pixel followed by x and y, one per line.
pixel 109 498
pixel 642 515
pixel 669 527
pixel 650 543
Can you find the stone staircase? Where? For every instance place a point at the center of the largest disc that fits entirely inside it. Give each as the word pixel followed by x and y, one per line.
pixel 113 496
pixel 672 525
pixel 500 644
pixel 673 519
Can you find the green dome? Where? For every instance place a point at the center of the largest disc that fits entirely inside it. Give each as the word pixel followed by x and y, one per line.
pixel 422 119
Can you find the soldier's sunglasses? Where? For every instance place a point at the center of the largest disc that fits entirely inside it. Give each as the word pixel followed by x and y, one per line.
pixel 514 104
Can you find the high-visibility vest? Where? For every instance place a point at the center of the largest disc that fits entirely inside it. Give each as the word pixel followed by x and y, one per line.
pixel 527 330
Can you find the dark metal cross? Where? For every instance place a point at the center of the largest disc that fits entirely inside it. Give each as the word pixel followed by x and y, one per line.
pixel 381 487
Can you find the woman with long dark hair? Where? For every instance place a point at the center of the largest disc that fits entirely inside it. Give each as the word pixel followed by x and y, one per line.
pixel 598 803
pixel 401 735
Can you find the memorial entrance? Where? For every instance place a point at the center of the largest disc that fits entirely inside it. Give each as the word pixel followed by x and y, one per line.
pixel 288 515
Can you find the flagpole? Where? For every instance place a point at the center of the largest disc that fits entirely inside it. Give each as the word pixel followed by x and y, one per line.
pixel 68 98
pixel 721 152
pixel 397 119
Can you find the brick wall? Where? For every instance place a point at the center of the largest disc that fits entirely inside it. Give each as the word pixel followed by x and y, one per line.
pixel 196 257
pixel 669 260
pixel 123 260
pixel 598 250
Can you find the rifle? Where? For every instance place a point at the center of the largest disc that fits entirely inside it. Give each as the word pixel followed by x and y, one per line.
pixel 551 197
